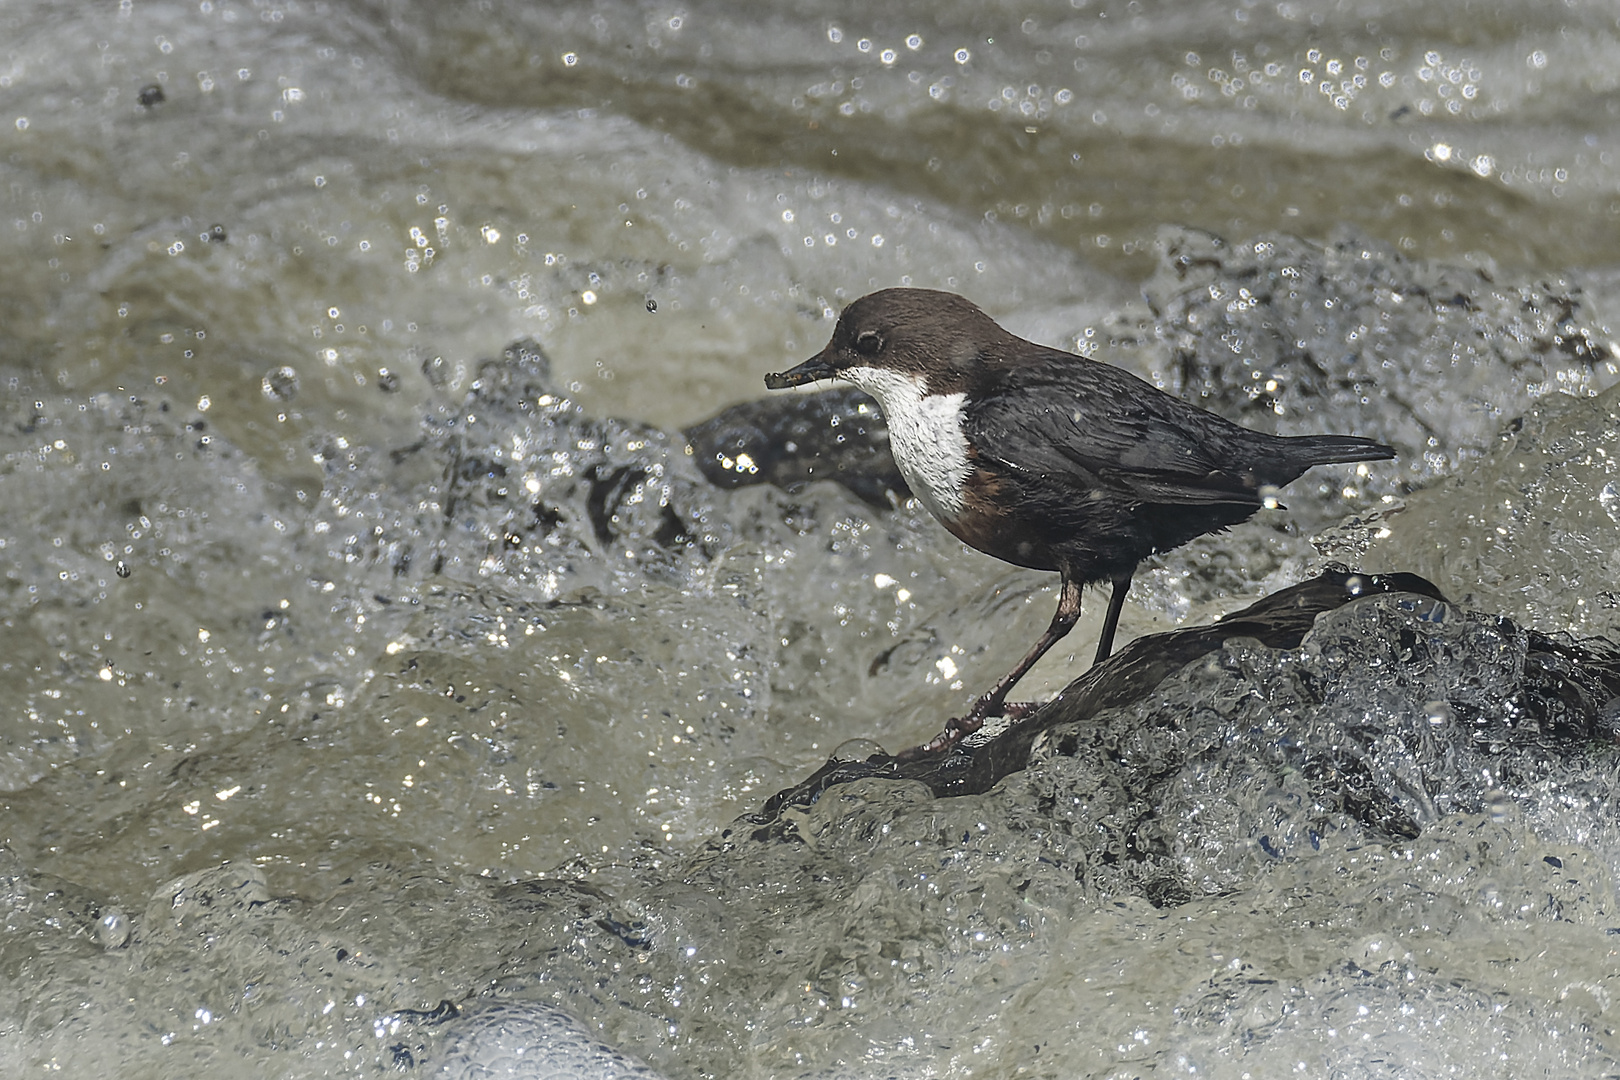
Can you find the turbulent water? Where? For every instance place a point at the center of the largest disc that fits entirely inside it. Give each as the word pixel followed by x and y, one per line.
pixel 385 678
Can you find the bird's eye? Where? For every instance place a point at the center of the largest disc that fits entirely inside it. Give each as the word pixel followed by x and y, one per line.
pixel 868 343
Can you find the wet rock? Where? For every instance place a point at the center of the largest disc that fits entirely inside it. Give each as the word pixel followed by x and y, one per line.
pixel 1349 697
pixel 791 439
pixel 1278 333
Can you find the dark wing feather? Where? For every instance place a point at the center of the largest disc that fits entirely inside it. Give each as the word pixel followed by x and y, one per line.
pixel 1071 417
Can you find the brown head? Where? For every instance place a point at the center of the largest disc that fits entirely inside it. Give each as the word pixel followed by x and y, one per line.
pixel 938 337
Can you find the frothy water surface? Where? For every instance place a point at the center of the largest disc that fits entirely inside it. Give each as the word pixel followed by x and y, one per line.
pixel 356 662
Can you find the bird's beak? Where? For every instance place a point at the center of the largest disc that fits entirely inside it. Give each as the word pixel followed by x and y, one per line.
pixel 812 370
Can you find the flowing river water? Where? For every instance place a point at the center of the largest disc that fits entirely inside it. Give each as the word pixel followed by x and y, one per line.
pixel 371 638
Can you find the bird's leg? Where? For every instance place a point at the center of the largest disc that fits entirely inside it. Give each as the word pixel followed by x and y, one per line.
pixel 1116 603
pixel 993 702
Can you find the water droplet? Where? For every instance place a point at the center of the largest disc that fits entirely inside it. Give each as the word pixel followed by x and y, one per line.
pixel 113 929
pixel 1609 499
pixel 280 384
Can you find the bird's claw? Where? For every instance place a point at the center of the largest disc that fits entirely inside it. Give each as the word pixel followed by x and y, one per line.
pixel 958 728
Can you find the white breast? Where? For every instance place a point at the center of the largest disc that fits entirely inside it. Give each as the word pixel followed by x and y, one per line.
pixel 925 436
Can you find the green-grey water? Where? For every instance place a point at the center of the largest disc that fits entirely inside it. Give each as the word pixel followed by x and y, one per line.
pixel 349 666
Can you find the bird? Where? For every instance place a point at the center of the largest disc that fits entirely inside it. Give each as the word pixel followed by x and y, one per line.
pixel 1049 460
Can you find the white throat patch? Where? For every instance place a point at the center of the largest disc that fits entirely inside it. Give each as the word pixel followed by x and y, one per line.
pixel 925 436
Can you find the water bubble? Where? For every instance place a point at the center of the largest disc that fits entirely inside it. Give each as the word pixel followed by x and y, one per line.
pixel 112 929
pixel 856 750
pixel 652 306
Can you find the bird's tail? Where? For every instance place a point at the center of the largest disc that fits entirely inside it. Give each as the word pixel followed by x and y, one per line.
pixel 1328 449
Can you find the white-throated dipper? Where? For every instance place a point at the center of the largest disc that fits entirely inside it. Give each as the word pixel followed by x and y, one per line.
pixel 1048 460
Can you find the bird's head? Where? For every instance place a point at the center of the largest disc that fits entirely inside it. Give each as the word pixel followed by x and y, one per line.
pixel 939 340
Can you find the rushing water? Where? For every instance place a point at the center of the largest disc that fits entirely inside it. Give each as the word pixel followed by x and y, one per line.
pixel 355 662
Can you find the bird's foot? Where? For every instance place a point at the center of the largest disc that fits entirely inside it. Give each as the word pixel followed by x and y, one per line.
pixel 957 728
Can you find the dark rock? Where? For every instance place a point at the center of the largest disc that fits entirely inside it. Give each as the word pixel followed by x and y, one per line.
pixel 790 440
pixel 1445 708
